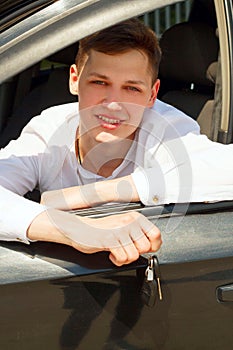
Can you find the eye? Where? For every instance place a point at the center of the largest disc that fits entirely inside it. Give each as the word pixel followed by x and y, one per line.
pixel 98 82
pixel 133 88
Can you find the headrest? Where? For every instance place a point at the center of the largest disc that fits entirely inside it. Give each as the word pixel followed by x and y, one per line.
pixel 211 72
pixel 187 50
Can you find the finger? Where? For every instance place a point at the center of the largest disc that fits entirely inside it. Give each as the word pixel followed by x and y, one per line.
pixel 143 245
pixel 118 256
pixel 152 232
pixel 126 254
pixel 141 241
pixel 131 252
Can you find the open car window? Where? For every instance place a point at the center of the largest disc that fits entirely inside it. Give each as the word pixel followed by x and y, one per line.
pixel 193 88
pixel 184 84
pixel 185 29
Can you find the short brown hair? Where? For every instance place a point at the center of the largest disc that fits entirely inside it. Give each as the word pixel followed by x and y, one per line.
pixel 121 37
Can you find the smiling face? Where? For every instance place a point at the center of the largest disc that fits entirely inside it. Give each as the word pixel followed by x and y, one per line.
pixel 113 91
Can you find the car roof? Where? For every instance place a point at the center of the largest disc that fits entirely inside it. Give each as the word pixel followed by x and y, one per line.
pixel 61 24
pixel 12 12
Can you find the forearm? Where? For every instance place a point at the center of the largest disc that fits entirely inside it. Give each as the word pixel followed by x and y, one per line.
pixel 59 227
pixel 45 228
pixel 124 236
pixel 116 190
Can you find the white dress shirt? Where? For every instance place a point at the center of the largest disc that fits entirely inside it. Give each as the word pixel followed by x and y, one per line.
pixel 169 161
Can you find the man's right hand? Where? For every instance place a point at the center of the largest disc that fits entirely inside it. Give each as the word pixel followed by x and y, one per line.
pixel 125 236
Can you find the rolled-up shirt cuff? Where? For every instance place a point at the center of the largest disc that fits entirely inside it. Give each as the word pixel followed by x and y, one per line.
pixel 149 192
pixel 164 184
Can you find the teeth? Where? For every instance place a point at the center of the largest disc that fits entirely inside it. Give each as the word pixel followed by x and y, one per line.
pixel 108 120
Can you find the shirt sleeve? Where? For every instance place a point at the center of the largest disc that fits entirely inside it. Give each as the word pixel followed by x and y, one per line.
pixel 19 173
pixel 16 215
pixel 175 120
pixel 33 160
pixel 189 169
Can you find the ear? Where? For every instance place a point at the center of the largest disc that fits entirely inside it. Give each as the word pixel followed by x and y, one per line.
pixel 154 93
pixel 73 82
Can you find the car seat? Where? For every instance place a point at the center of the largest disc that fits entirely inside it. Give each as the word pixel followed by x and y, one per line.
pixel 50 88
pixel 188 49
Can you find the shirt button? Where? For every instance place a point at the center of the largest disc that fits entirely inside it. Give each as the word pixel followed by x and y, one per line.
pixel 19 239
pixel 155 199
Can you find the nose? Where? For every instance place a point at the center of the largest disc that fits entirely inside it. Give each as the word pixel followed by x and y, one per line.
pixel 112 100
pixel 113 106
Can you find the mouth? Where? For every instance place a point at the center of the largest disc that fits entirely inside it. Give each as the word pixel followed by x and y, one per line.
pixel 109 122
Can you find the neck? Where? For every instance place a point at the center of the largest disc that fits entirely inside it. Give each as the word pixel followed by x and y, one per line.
pixel 101 158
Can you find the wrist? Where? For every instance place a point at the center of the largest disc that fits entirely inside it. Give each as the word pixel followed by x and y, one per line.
pixel 44 228
pixel 117 190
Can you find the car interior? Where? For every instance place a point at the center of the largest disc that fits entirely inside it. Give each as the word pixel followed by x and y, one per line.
pixel 185 83
pixel 189 64
pixel 188 73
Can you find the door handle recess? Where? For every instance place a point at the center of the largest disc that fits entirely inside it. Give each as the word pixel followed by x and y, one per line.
pixel 225 293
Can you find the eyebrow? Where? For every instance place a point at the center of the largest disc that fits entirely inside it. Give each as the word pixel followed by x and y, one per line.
pixel 102 76
pixel 94 74
pixel 137 82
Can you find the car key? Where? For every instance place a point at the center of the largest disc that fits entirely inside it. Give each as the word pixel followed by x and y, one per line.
pixel 149 288
pixel 158 276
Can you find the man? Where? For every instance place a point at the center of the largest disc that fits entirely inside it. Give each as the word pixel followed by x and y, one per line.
pixel 139 147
